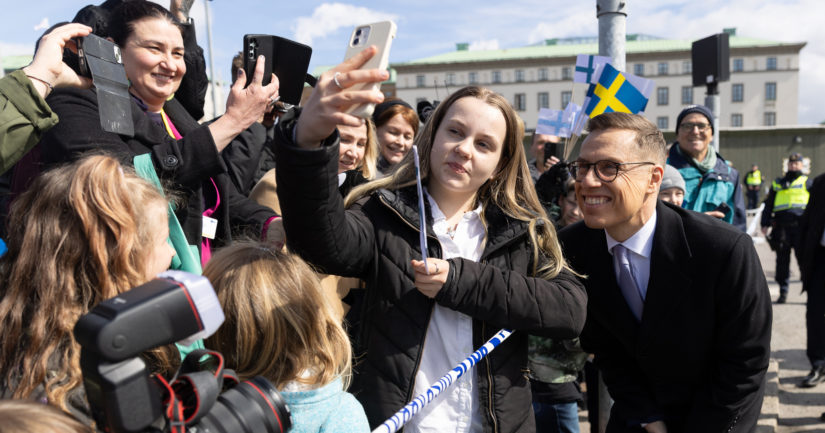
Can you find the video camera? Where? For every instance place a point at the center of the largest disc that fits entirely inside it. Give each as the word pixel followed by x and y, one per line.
pixel 124 397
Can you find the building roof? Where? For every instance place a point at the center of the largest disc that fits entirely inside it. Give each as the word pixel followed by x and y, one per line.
pixel 570 47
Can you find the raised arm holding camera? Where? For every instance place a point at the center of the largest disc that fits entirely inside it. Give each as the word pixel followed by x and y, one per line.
pixel 25 114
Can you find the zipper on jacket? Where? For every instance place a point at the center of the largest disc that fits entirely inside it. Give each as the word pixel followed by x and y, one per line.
pixel 411 394
pixel 489 382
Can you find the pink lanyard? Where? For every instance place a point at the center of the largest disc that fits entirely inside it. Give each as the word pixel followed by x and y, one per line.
pixel 206 249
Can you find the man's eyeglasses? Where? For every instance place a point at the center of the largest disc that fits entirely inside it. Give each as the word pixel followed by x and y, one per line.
pixel 606 171
pixel 688 126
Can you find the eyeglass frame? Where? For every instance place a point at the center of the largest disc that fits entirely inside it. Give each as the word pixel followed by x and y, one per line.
pixel 574 167
pixel 683 126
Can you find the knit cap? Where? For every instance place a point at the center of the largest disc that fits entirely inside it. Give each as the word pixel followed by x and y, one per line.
pixel 672 179
pixel 701 109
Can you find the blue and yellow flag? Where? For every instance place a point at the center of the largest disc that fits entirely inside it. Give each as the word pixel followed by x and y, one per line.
pixel 614 92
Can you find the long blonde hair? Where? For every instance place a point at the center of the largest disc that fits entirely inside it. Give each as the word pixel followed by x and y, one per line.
pixel 279 323
pixel 511 189
pixel 76 237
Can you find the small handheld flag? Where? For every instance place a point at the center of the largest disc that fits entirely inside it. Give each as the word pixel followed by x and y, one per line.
pixel 586 66
pixel 422 216
pixel 614 93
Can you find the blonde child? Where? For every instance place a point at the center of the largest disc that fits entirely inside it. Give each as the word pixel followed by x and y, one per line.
pixel 281 325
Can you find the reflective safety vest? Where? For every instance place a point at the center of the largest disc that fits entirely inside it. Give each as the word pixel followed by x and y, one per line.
pixel 754 178
pixel 795 196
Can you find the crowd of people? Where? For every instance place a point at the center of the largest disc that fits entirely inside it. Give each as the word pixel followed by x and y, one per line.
pixel 628 261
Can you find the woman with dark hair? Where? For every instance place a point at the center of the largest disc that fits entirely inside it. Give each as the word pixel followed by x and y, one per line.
pixel 184 153
pixel 396 125
pixel 493 257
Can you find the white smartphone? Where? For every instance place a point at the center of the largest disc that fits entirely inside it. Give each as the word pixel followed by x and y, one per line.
pixel 381 35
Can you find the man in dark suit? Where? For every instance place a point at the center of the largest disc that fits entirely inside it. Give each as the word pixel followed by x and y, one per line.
pixel 679 314
pixel 811 257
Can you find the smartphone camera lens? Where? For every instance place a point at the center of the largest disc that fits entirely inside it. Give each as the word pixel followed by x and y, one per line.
pixel 358 32
pixel 355 42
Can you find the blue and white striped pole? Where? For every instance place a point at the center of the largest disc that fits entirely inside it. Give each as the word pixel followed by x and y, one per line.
pixel 406 413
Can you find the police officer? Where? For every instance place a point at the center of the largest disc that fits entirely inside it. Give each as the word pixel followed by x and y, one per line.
pixel 753 183
pixel 783 208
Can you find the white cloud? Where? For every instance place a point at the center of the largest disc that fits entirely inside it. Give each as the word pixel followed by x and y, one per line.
pixel 490 44
pixel 329 17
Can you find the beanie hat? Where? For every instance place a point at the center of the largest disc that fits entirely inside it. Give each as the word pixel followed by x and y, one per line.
pixel 672 179
pixel 701 109
pixel 382 107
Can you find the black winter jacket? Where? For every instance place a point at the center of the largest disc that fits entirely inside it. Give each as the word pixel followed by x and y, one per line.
pixel 376 239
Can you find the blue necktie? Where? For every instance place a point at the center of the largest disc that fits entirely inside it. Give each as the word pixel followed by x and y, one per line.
pixel 630 290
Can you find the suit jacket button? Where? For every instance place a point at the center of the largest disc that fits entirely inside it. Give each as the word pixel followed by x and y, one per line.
pixel 170 161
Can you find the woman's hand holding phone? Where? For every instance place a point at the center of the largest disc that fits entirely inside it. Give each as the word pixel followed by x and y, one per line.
pixel 244 106
pixel 326 107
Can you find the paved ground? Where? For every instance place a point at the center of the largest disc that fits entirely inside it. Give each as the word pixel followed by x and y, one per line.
pixel 799 408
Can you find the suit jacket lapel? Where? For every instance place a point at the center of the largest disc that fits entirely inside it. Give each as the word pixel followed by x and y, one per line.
pixel 669 282
pixel 608 303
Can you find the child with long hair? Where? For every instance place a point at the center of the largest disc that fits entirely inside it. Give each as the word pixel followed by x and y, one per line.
pixel 81 234
pixel 281 325
pixel 493 258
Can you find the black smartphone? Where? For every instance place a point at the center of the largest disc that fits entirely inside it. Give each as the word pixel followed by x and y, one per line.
pixel 551 149
pixel 723 207
pixel 287 59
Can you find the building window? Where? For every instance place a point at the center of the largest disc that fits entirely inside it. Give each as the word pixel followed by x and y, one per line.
pixel 770 118
pixel 566 96
pixel 420 80
pixel 687 95
pixel 472 77
pixel 450 81
pixel 519 75
pixel 496 76
pixel 543 76
pixel 662 68
pixel 639 69
pixel 544 100
pixel 687 67
pixel 662 96
pixel 737 93
pixel 520 102
pixel 566 73
pixel 771 64
pixel 736 119
pixel 770 91
pixel 738 65
pixel 661 122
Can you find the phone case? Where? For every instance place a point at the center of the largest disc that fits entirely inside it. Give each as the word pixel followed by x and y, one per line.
pixel 381 35
pixel 254 46
pixel 291 61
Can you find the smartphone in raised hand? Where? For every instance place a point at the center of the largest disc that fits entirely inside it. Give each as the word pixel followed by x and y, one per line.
pixel 287 59
pixel 381 35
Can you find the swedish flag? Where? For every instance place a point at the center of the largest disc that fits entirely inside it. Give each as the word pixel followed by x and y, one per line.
pixel 614 93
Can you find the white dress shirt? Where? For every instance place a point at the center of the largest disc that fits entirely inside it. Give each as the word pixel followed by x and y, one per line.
pixel 639 246
pixel 450 339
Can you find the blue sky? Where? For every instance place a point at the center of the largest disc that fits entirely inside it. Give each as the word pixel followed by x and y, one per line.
pixel 429 27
